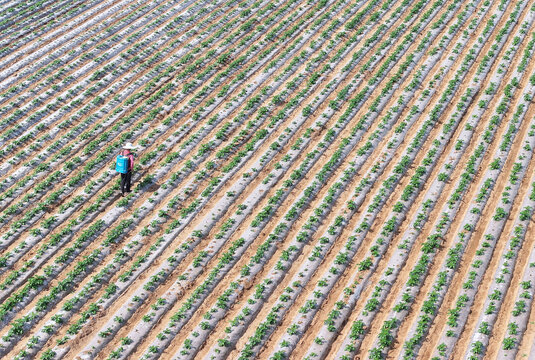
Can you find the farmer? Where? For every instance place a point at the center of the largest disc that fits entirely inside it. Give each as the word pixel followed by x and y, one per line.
pixel 126 179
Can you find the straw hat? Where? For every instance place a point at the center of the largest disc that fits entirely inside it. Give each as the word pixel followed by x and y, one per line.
pixel 128 146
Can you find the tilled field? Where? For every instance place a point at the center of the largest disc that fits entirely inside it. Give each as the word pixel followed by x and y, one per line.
pixel 314 179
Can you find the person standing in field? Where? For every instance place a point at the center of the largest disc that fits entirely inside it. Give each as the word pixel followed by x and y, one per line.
pixel 126 178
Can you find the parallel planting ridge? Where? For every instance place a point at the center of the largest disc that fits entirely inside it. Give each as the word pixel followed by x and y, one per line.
pixel 313 179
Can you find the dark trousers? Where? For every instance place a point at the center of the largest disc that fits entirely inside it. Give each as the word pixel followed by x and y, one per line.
pixel 126 180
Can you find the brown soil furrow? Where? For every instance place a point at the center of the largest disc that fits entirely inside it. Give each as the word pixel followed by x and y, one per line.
pixel 153 146
pixel 236 267
pixel 140 226
pixel 372 232
pixel 221 195
pixel 77 152
pixel 526 347
pixel 390 252
pixel 464 339
pixel 43 42
pixel 454 229
pixel 499 331
pixel 104 91
pixel 350 276
pixel 369 199
pixel 296 157
pixel 416 247
pixel 37 89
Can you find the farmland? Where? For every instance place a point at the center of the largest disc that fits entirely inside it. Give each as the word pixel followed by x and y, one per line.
pixel 313 179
